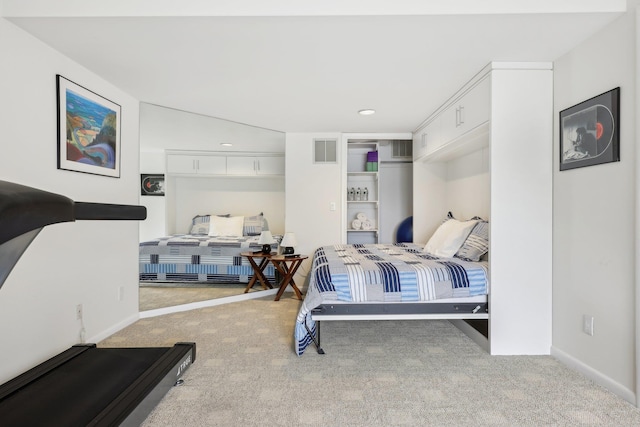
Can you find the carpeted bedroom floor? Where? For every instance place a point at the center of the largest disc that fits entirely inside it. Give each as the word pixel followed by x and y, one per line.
pixel 156 296
pixel 375 373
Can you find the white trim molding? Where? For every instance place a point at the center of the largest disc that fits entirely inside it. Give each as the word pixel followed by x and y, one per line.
pixel 594 375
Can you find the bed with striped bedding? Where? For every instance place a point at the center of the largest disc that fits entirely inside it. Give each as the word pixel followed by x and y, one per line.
pixel 384 274
pixel 199 259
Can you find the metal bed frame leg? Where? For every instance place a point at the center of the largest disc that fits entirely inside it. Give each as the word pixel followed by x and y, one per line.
pixel 316 341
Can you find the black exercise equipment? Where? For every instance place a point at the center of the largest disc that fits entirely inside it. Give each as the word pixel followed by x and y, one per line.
pixel 84 385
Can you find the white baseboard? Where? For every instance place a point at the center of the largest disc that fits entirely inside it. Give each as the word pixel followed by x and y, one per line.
pixel 115 328
pixel 472 333
pixel 594 375
pixel 207 303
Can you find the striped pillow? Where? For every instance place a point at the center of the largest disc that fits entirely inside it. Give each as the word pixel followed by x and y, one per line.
pixel 200 223
pixel 477 243
pixel 253 225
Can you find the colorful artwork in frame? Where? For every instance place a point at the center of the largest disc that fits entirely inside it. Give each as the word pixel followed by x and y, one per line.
pixel 589 132
pixel 88 131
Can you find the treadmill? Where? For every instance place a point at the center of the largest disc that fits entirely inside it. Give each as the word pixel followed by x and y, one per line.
pixel 84 385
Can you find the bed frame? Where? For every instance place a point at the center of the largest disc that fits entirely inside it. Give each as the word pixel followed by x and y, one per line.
pixel 466 308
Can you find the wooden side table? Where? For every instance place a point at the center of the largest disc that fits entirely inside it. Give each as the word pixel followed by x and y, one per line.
pixel 287 266
pixel 258 269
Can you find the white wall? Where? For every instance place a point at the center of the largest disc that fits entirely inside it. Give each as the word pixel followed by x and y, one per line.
pixel 460 185
pixel 310 189
pixel 594 220
pixel 235 196
pixel 84 262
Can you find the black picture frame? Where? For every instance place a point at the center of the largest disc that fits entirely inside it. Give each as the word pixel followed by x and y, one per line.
pixel 88 130
pixel 590 132
pixel 152 184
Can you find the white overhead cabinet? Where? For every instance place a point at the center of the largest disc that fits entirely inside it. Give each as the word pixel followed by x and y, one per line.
pixel 196 164
pixel 203 163
pixel 467 111
pixel 255 165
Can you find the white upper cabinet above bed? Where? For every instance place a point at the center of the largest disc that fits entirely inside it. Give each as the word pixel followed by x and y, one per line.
pixel 464 113
pixel 255 165
pixel 196 164
pixel 426 138
pixel 213 164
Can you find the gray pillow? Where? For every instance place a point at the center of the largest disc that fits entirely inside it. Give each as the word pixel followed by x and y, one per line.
pixel 477 243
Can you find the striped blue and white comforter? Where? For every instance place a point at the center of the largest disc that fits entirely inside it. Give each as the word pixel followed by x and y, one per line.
pixel 384 273
pixel 200 259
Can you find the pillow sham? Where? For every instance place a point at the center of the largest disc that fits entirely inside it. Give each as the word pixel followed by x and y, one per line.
pixel 449 237
pixel 200 224
pixel 477 243
pixel 222 226
pixel 254 225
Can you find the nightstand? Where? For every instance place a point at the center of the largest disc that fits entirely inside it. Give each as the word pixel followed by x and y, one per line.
pixel 287 267
pixel 258 269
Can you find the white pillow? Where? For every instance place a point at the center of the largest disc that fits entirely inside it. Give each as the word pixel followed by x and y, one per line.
pixel 449 237
pixel 221 226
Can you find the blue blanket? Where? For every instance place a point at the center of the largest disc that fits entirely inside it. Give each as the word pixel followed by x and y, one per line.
pixel 384 273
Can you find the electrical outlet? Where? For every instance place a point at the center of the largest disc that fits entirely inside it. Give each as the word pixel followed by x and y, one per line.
pixel 121 293
pixel 79 311
pixel 587 324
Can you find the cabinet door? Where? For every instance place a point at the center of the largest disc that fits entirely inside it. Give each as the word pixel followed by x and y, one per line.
pixel 430 138
pixel 212 165
pixel 177 163
pixel 450 124
pixel 268 165
pixel 467 113
pixel 238 165
pixel 474 107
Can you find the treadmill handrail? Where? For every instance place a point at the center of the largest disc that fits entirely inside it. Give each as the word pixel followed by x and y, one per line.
pixel 23 209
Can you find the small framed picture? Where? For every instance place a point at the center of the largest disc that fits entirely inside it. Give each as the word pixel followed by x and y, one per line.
pixel 589 132
pixel 152 184
pixel 88 131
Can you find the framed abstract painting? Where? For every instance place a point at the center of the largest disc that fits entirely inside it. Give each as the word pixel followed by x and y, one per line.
pixel 88 130
pixel 589 132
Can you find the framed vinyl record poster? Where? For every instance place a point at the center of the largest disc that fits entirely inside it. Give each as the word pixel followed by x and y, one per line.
pixel 589 132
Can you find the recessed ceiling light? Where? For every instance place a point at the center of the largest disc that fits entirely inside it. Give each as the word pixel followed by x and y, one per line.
pixel 367 112
pixel 226 144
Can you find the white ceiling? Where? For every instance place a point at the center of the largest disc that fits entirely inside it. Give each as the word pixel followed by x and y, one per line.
pixel 303 73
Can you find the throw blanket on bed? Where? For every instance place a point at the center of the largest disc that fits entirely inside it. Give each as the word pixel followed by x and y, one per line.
pixel 384 273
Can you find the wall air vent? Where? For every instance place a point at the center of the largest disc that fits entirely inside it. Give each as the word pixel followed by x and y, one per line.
pixel 402 148
pixel 325 151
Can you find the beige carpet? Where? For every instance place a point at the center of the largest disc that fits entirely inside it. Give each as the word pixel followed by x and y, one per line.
pixel 375 373
pixel 153 297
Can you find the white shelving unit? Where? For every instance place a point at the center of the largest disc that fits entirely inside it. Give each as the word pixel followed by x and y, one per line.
pixel 364 200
